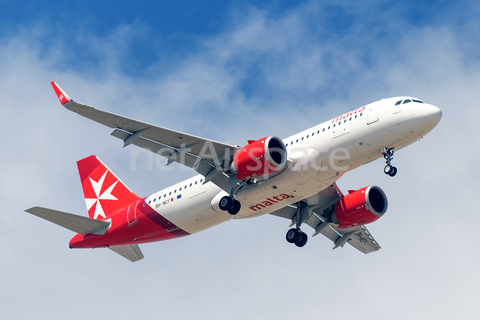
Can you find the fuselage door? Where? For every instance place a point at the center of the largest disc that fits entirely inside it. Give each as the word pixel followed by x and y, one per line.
pixel 372 116
pixel 132 214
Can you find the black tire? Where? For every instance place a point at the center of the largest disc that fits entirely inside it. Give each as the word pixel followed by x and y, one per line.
pixel 393 172
pixel 235 208
pixel 226 203
pixel 292 235
pixel 302 239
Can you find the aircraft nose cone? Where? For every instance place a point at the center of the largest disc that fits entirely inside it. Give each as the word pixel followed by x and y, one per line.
pixel 433 114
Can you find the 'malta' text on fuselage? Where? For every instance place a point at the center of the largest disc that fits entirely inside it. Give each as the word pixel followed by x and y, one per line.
pixel 349 114
pixel 269 202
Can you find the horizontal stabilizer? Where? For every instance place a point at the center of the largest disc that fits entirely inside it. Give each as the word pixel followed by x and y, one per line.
pixel 78 224
pixel 131 252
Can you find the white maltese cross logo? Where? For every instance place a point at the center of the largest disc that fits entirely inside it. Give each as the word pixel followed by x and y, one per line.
pixel 106 195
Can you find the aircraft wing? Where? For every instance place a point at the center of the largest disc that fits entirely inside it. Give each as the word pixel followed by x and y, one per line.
pixel 207 157
pixel 320 206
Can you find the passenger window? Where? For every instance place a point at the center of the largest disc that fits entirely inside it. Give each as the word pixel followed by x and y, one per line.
pixel 323 130
pixel 398 102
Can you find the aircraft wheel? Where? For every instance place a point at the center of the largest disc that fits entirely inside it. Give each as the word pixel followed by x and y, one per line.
pixel 393 172
pixel 226 203
pixel 292 235
pixel 235 207
pixel 302 239
pixel 388 169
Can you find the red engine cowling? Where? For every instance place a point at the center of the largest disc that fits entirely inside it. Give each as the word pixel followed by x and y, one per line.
pixel 259 158
pixel 360 207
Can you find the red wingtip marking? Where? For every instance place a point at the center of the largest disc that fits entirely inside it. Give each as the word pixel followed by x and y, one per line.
pixel 62 97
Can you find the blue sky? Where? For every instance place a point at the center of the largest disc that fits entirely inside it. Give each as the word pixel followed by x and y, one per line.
pixel 233 71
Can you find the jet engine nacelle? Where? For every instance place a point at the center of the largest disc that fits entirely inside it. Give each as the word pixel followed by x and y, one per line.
pixel 259 158
pixel 360 207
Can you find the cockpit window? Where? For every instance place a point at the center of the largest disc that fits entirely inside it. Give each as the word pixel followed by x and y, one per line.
pixel 407 101
pixel 417 101
pixel 398 102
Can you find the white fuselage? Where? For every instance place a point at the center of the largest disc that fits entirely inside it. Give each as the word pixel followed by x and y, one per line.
pixel 318 157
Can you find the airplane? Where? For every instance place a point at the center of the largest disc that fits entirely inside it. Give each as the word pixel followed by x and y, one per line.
pixel 293 178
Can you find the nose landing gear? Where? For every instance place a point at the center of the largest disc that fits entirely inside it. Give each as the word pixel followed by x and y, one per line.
pixel 388 155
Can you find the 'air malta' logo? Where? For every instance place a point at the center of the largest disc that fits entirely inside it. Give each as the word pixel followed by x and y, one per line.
pixel 96 202
pixel 269 201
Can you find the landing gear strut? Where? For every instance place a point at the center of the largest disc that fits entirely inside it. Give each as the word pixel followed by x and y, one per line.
pixel 230 205
pixel 388 155
pixel 296 235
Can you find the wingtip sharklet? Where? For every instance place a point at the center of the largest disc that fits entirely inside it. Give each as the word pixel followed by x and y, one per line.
pixel 61 95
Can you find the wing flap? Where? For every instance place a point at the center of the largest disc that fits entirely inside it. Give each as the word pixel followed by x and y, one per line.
pixel 364 241
pixel 73 222
pixel 131 252
pixel 188 159
pixel 156 147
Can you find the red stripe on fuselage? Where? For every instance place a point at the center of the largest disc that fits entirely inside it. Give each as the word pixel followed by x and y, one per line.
pixel 150 227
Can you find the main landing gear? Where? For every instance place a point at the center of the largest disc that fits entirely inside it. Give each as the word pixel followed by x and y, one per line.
pixel 230 205
pixel 296 235
pixel 388 155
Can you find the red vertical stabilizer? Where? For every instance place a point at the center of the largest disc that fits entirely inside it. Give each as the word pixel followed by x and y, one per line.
pixel 104 193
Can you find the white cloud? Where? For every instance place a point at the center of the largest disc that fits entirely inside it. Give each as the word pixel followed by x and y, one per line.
pixel 243 269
